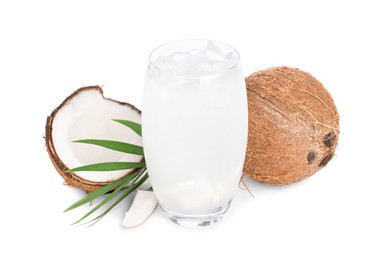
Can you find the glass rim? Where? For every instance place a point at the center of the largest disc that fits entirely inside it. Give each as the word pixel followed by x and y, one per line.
pixel 234 65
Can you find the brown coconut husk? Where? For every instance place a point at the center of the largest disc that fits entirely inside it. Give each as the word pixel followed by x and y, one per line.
pixel 71 178
pixel 293 126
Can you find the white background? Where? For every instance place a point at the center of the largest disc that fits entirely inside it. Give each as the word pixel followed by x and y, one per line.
pixel 48 49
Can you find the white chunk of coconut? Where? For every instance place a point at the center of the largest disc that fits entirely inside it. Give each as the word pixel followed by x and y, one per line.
pixel 143 205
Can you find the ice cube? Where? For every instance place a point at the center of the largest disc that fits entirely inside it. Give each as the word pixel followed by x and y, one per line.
pixel 213 48
pixel 195 195
pixel 190 63
pixel 178 56
pixel 229 56
pixel 205 67
pixel 163 62
pixel 196 62
pixel 196 52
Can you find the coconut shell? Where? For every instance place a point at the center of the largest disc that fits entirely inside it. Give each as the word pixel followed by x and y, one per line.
pixel 71 178
pixel 293 126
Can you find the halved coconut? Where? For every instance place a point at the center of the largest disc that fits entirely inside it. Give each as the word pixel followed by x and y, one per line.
pixel 87 114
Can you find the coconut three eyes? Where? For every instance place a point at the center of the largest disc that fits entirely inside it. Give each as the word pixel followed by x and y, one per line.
pixel 293 126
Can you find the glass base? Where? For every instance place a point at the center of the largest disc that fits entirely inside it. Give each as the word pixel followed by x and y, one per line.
pixel 202 219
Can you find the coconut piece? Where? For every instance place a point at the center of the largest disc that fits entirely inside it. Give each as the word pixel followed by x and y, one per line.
pixel 142 207
pixel 87 114
pixel 293 126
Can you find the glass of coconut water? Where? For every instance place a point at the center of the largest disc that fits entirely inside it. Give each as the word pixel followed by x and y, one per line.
pixel 195 125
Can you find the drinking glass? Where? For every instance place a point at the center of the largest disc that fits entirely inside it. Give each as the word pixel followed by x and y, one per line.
pixel 194 128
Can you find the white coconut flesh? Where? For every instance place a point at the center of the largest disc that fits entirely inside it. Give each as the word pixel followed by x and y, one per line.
pixel 143 205
pixel 88 115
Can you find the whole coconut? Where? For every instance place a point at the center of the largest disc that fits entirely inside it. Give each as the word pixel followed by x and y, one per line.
pixel 293 125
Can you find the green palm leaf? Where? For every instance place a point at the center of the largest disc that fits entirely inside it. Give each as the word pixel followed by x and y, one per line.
pixel 108 198
pixel 136 127
pixel 114 145
pixel 128 190
pixel 101 191
pixel 108 166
